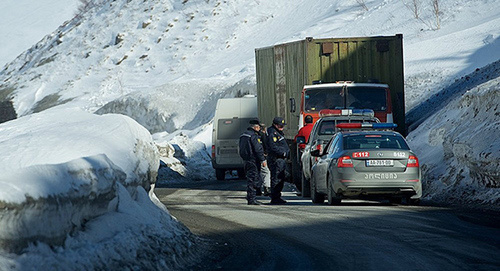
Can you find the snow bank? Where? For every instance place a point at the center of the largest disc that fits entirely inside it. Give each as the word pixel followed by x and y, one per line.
pixel 172 106
pixel 185 155
pixel 459 148
pixel 65 167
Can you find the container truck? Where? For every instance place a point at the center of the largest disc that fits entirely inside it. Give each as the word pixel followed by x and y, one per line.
pixel 301 78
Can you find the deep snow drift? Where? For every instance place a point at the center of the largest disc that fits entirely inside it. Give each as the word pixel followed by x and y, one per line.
pixel 78 182
pixel 459 148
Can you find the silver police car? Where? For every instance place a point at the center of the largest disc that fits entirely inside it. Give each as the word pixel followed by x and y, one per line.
pixel 323 130
pixel 366 163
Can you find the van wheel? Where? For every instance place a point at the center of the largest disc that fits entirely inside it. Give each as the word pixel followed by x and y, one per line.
pixel 241 174
pixel 220 174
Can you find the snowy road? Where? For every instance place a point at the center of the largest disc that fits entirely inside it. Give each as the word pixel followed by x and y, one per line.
pixel 358 235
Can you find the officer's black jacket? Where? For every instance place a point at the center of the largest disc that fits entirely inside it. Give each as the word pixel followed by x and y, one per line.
pixel 263 138
pixel 251 146
pixel 277 146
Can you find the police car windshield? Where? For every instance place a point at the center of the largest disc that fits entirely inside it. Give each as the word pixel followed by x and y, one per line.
pixel 374 141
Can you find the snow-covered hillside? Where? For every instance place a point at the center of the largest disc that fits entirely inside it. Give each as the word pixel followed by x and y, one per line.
pixel 165 63
pixel 148 48
pixel 25 22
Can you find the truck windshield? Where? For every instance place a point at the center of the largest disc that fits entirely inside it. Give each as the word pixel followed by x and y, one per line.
pixel 374 98
pixel 367 98
pixel 323 98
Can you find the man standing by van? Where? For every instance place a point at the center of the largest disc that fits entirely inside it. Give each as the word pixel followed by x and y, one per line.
pixel 252 152
pixel 278 150
pixel 265 172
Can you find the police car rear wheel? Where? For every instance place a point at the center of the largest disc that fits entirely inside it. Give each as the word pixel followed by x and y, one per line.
pixel 315 196
pixel 333 198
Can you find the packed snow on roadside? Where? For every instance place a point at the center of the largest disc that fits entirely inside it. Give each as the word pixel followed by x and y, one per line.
pixel 459 148
pixel 77 190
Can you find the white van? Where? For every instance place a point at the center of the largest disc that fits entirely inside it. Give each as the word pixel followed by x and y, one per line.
pixel 232 116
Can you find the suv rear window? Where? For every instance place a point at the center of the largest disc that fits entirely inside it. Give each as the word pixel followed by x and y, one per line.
pixel 327 127
pixel 374 141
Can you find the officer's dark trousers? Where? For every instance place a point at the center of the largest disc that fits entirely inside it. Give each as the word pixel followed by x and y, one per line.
pixel 252 171
pixel 277 166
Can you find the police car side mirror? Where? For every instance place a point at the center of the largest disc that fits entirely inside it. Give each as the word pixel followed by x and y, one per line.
pixel 315 153
pixel 301 140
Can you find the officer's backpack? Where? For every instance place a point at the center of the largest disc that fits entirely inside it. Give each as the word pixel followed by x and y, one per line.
pixel 245 147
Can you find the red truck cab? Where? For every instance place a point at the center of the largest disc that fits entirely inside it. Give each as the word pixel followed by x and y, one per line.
pixel 346 95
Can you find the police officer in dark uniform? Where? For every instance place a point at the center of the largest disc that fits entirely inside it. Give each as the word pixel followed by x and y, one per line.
pixel 278 151
pixel 252 152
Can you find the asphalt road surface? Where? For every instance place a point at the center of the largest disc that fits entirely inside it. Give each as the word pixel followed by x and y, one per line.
pixel 357 235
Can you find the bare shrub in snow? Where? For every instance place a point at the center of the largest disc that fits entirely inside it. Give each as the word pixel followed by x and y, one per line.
pixel 414 7
pixel 86 5
pixel 435 9
pixel 362 4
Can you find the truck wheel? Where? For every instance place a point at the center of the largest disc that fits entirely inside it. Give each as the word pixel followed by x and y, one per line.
pixel 241 174
pixel 315 196
pixel 306 187
pixel 220 174
pixel 333 198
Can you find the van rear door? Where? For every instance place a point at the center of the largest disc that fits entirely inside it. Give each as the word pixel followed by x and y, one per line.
pixel 228 135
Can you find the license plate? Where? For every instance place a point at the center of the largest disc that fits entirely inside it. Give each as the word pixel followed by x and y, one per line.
pixel 379 163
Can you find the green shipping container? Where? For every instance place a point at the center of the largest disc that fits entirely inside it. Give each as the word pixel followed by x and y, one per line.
pixel 283 70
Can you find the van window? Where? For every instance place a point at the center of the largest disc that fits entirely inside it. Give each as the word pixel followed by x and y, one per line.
pixel 231 128
pixel 367 97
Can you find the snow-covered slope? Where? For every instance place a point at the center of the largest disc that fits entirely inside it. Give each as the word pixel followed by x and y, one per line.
pixel 25 22
pixel 125 47
pixel 459 146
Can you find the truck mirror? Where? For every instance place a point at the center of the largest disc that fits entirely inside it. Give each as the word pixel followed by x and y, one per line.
pixel 301 140
pixel 315 153
pixel 292 105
